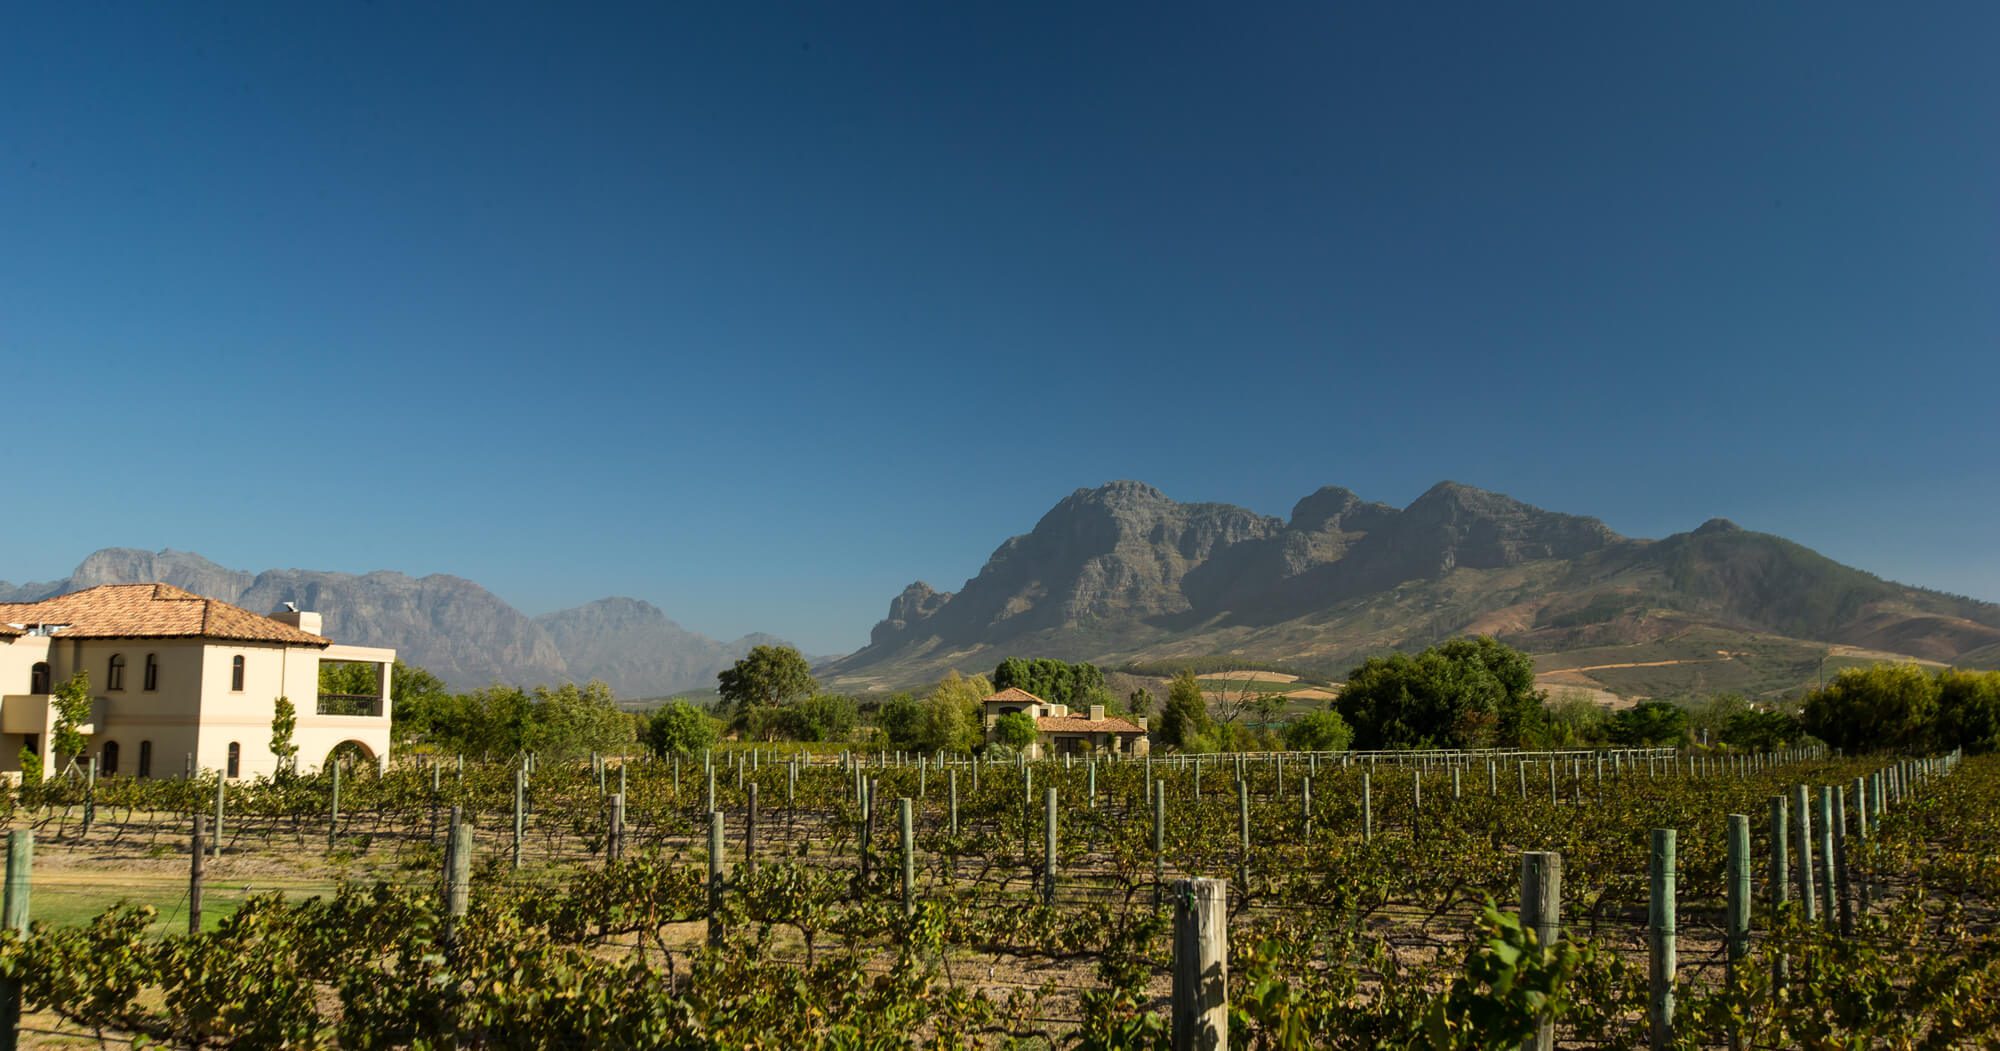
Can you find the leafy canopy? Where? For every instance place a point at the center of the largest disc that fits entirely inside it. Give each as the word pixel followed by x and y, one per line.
pixel 767 675
pixel 1466 693
pixel 680 728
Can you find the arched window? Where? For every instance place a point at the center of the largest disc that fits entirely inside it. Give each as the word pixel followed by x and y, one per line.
pixel 114 673
pixel 145 758
pixel 38 678
pixel 235 756
pixel 107 759
pixel 236 677
pixel 152 671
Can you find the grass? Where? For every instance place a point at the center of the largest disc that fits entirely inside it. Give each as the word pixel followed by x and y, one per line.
pixel 74 899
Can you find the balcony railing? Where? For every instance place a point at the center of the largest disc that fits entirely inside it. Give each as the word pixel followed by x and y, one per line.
pixel 349 704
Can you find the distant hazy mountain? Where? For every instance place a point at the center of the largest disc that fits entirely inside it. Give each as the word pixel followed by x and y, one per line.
pixel 458 630
pixel 1122 573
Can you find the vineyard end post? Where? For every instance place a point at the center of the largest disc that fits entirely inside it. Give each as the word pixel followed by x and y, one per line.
pixel 1201 965
pixel 1662 928
pixel 1541 909
pixel 14 913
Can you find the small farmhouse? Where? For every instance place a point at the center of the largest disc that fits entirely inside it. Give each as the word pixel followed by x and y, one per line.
pixel 182 683
pixel 1064 734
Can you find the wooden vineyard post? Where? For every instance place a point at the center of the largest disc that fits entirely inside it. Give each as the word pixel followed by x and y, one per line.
pixel 1829 883
pixel 1049 849
pixel 1159 848
pixel 750 828
pixel 1780 881
pixel 716 875
pixel 221 799
pixel 867 827
pixel 954 801
pixel 1736 921
pixel 906 824
pixel 1243 834
pixel 1552 782
pixel 1663 939
pixel 1843 892
pixel 1457 791
pixel 1306 805
pixel 614 840
pixel 458 874
pixel 1802 842
pixel 1201 965
pixel 333 812
pixel 197 863
pixel 1367 809
pixel 1492 778
pixel 1541 909
pixel 14 914
pixel 520 811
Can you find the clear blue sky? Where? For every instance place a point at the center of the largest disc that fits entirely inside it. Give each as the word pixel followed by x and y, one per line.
pixel 760 313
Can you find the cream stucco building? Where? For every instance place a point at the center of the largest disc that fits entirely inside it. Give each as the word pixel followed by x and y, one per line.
pixel 182 683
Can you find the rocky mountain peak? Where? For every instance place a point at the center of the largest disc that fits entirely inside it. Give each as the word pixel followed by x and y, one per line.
pixel 1717 525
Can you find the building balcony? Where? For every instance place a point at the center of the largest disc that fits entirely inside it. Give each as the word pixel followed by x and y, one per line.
pixel 366 705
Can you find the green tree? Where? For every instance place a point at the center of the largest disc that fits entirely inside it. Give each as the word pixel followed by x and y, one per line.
pixel 284 720
pixel 773 675
pixel 569 721
pixel 72 705
pixel 1141 702
pixel 1649 724
pixel 1015 730
pixel 1466 693
pixel 1573 719
pixel 822 717
pixel 1184 722
pixel 900 718
pixel 680 728
pixel 1886 707
pixel 1078 685
pixel 1760 731
pixel 1320 731
pixel 952 714
pixel 1969 710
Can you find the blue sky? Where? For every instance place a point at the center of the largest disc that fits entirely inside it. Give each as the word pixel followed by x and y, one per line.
pixel 761 312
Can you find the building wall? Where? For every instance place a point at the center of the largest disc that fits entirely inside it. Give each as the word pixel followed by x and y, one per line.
pixel 193 715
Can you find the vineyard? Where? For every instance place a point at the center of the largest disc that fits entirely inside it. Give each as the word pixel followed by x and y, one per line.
pixel 753 899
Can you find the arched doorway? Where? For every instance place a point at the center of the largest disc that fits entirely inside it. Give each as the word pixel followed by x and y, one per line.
pixel 352 755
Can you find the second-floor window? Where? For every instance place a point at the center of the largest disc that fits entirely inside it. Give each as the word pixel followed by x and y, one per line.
pixel 114 674
pixel 236 673
pixel 235 756
pixel 38 677
pixel 152 671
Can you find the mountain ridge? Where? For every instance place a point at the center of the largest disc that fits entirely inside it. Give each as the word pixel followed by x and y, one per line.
pixel 1123 573
pixel 451 626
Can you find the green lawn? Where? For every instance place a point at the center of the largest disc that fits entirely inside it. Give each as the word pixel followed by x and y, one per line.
pixel 75 898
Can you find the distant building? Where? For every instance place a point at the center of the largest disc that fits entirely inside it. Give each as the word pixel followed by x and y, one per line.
pixel 1064 734
pixel 180 682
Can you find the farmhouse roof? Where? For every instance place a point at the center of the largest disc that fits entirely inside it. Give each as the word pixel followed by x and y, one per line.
pixel 151 611
pixel 1076 724
pixel 1015 695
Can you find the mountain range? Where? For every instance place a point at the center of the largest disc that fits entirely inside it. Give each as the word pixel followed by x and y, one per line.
pixel 1123 575
pixel 459 631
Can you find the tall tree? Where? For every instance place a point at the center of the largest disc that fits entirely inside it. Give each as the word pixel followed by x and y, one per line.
pixel 72 704
pixel 767 675
pixel 1466 693
pixel 1887 707
pixel 1185 723
pixel 680 728
pixel 284 720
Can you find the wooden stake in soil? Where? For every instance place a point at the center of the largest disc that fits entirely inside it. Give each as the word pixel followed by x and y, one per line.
pixel 906 824
pixel 716 875
pixel 1663 938
pixel 1201 965
pixel 197 862
pixel 14 914
pixel 1803 844
pixel 1541 909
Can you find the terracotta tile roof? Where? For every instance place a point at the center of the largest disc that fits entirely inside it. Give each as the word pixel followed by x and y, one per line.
pixel 8 631
pixel 1077 724
pixel 1014 694
pixel 151 611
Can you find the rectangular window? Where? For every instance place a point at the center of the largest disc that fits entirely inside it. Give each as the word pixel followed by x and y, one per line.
pixel 236 674
pixel 152 672
pixel 145 758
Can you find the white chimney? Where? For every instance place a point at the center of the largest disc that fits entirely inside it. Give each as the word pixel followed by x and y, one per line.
pixel 303 620
pixel 1096 713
